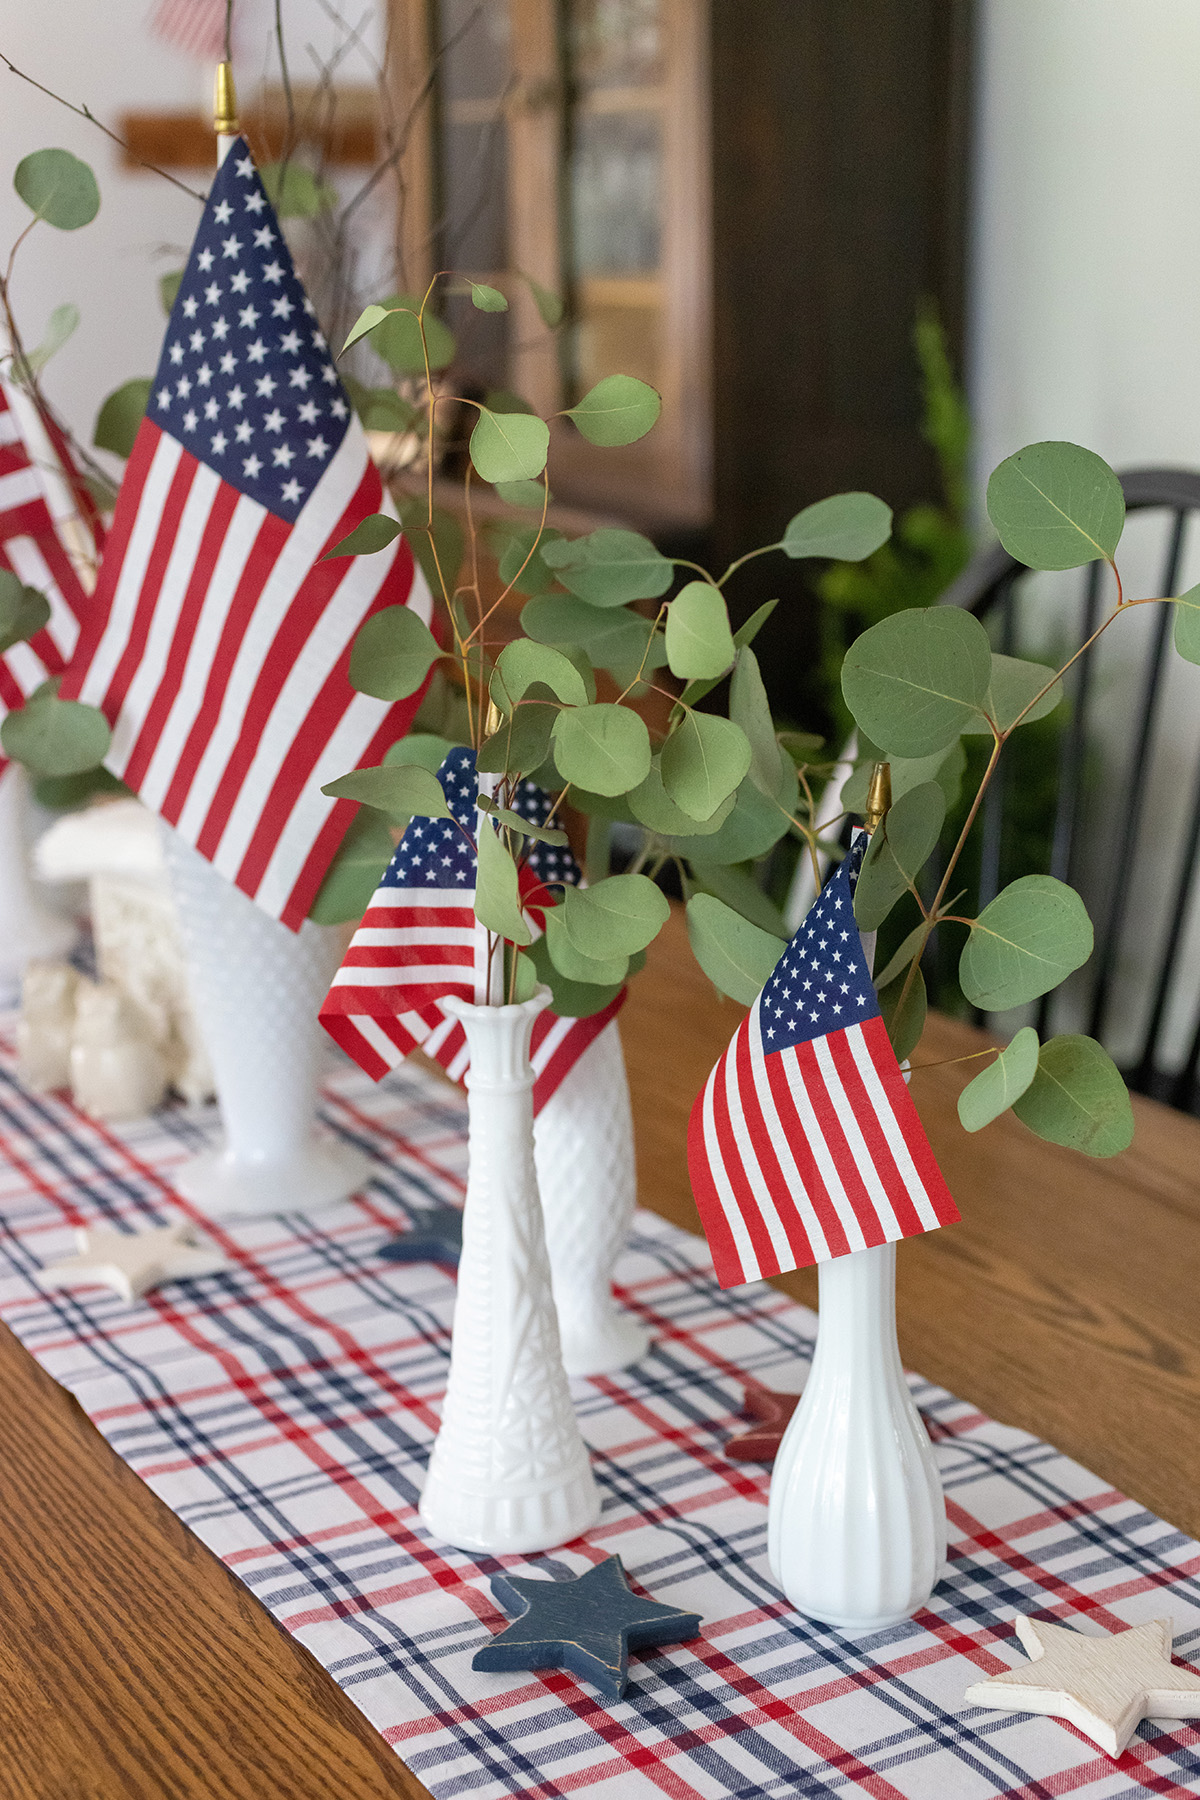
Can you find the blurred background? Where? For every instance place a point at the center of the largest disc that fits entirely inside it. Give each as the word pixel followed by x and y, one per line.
pixel 855 243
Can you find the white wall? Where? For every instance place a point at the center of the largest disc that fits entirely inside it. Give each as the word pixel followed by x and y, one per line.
pixel 1086 326
pixel 104 56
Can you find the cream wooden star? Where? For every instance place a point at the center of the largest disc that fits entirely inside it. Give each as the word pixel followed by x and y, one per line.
pixel 132 1262
pixel 1105 1686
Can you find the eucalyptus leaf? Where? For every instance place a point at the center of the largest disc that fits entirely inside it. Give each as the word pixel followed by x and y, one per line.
pixel 904 1024
pixel 917 679
pixel 750 709
pixel 509 446
pixel 522 743
pixel 521 563
pixel 615 917
pixel 503 400
pixel 846 527
pixel 904 955
pixel 610 567
pixel 366 322
pixel 373 533
pixel 23 611
pixel 698 639
pixel 487 299
pixel 396 337
pixel 574 964
pixel 530 496
pixel 392 654
pixel 1013 685
pixel 703 761
pixel 548 303
pixel 755 824
pixel 1077 1098
pixel 59 188
pixel 120 416
pixel 569 999
pixel 740 891
pixel 898 851
pixel 605 748
pixel 355 872
pixel 168 287
pixel 514 821
pixel 737 957
pixel 524 983
pixel 652 807
pixel 695 691
pixel 403 792
pixel 1001 1084
pixel 613 639
pixel 1187 625
pixel 55 737
pixel 424 748
pixel 60 326
pixel 1028 939
pixel 295 192
pixel 523 662
pixel 497 889
pixel 380 408
pixel 1056 506
pixel 618 410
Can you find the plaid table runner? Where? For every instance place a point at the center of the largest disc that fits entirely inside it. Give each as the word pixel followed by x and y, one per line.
pixel 285 1410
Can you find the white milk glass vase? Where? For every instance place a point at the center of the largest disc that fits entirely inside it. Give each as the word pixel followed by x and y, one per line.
pixel 29 928
pixel 587 1177
pixel 509 1471
pixel 856 1527
pixel 256 989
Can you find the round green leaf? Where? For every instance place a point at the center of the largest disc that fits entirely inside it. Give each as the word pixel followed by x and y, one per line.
pixel 168 287
pixel 1013 685
pixel 487 299
pixel 750 709
pixel 120 416
pixel 604 748
pixel 573 965
pixel 55 737
pixel 62 323
pixel 497 889
pixel 846 527
pixel 355 872
pixel 703 761
pixel 610 567
pixel 904 955
pixel 614 917
pixel 699 642
pixel 521 563
pixel 405 791
pixel 916 680
pixel 754 825
pixel 523 662
pixel 58 188
pixel 1001 1083
pixel 528 495
pixel 618 410
pixel 514 821
pixel 381 408
pixel 737 957
pixel 905 1023
pixel 897 853
pixel 23 611
pixel 525 977
pixel 392 654
pixel 1187 625
pixel 522 743
pixel 295 192
pixel 373 533
pixel 397 337
pixel 509 446
pixel 569 999
pixel 1031 937
pixel 1077 1098
pixel 652 807
pixel 738 889
pixel 1056 506
pixel 367 320
pixel 550 307
pixel 421 747
pixel 613 640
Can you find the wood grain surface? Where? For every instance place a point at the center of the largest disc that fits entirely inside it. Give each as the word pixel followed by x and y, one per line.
pixel 133 1666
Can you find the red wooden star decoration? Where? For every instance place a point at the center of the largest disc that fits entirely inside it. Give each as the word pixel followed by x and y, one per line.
pixel 771 1413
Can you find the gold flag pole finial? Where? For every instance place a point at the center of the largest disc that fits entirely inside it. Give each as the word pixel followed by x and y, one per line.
pixel 879 795
pixel 225 119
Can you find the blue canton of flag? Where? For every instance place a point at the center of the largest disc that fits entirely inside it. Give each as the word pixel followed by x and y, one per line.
pixel 821 982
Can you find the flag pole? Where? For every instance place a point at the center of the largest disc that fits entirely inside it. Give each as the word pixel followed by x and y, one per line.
pixel 225 119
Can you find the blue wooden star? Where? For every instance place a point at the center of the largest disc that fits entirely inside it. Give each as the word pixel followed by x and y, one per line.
pixel 434 1236
pixel 587 1623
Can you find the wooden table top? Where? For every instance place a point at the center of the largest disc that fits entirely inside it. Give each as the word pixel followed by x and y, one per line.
pixel 133 1666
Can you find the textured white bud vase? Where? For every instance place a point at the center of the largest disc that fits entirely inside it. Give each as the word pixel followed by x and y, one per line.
pixel 29 928
pixel 583 1143
pixel 509 1471
pixel 856 1528
pixel 256 988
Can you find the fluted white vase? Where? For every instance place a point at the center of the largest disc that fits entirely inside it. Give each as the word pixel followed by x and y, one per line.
pixel 29 928
pixel 856 1527
pixel 587 1177
pixel 256 989
pixel 509 1471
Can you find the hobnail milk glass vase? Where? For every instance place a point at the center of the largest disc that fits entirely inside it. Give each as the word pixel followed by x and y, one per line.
pixel 256 988
pixel 28 926
pixel 583 1144
pixel 856 1527
pixel 509 1471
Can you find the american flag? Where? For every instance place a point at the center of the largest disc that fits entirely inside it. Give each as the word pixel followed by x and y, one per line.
pixel 197 26
pixel 219 643
pixel 805 1144
pixel 420 942
pixel 47 531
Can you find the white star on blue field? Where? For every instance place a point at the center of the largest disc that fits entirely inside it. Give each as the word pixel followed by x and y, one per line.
pixel 245 381
pixel 435 852
pixel 821 983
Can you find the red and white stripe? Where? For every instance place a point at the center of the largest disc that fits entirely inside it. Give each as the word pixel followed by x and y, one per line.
pixel 807 1153
pixel 43 543
pixel 197 26
pixel 219 652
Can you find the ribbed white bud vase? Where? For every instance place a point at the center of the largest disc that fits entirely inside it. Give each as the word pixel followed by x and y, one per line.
pixel 583 1143
pixel 256 988
pixel 509 1471
pixel 856 1527
pixel 29 928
